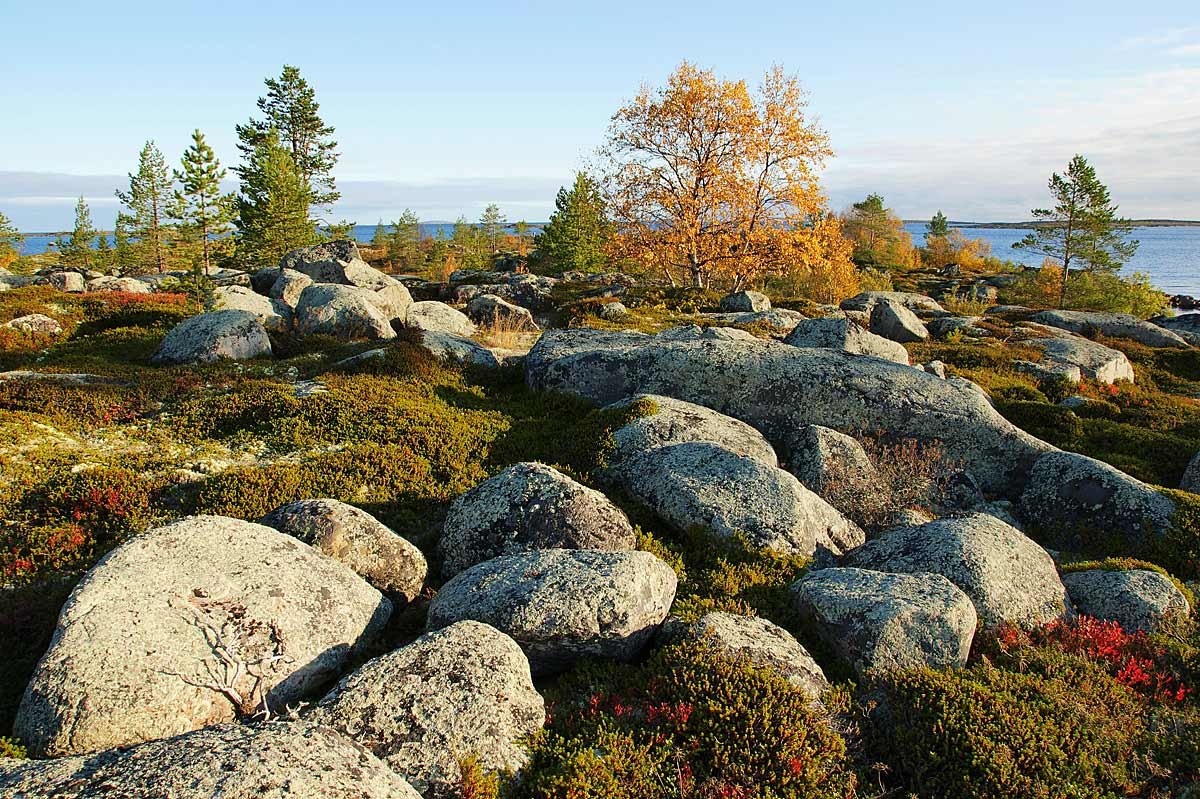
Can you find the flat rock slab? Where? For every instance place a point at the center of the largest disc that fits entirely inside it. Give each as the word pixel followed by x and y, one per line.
pixel 914 302
pixel 190 625
pixel 1113 325
pixel 297 760
pixel 888 622
pixel 561 605
pixel 465 690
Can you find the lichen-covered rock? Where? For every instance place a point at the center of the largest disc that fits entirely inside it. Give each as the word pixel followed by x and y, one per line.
pixel 171 630
pixel 887 622
pixel 392 300
pixel 449 347
pixel 341 311
pixel 288 287
pixel 821 456
pixel 563 604
pixel 764 644
pixel 1113 325
pixel 489 310
pixel 701 485
pixel 745 301
pixel 1089 358
pixel 778 388
pixel 126 285
pixel 1009 577
pixel 893 321
pixel 457 692
pixel 72 282
pixel 356 538
pixel 946 325
pixel 914 302
pixel 612 311
pixel 336 262
pixel 780 321
pixel 35 323
pixel 273 314
pixel 675 422
pixel 1191 475
pixel 439 317
pixel 1073 497
pixel 529 506
pixel 1136 599
pixel 841 333
pixel 298 760
pixel 208 337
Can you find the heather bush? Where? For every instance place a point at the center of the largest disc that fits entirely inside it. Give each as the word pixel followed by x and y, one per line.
pixel 689 722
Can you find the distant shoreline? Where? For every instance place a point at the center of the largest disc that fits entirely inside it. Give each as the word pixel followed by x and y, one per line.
pixel 1030 225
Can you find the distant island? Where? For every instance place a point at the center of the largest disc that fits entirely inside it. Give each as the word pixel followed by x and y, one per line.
pixel 1023 225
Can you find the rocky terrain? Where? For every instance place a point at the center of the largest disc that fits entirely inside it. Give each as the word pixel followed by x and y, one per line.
pixel 323 531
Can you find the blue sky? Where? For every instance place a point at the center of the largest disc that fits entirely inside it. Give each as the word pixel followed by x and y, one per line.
pixel 446 107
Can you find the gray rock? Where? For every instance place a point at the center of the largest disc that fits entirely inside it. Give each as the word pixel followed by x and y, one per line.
pixel 262 280
pixel 766 645
pixel 1179 323
pixel 612 311
pixel 189 625
pixel 1089 358
pixel 392 300
pixel 893 321
pixel 273 314
pixel 675 422
pixel 841 333
pixel 299 760
pixel 488 310
pixel 336 262
pixel 1073 497
pixel 745 301
pixel 778 388
pixel 72 282
pixel 341 311
pixel 935 368
pixel 1136 599
pixel 888 622
pixel 227 277
pixel 439 317
pixel 464 690
pixel 563 604
pixel 1008 577
pixel 1049 370
pixel 237 335
pixel 356 538
pixel 946 325
pixel 914 302
pixel 458 349
pixel 821 456
pixel 780 320
pixel 526 507
pixel 977 292
pixel 35 323
pixel 1113 325
pixel 288 287
pixel 1191 475
pixel 127 285
pixel 701 485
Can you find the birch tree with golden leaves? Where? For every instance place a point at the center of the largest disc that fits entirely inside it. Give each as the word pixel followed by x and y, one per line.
pixel 705 177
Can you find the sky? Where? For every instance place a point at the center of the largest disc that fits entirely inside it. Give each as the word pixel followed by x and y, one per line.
pixel 444 108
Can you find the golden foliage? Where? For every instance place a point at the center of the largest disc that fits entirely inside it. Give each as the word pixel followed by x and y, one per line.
pixel 956 248
pixel 822 269
pixel 704 175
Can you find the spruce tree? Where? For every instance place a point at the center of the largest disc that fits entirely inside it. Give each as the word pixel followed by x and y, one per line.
pixel 290 108
pixel 578 233
pixel 273 205
pixel 149 199
pixel 77 250
pixel 938 226
pixel 1082 229
pixel 205 213
pixel 492 223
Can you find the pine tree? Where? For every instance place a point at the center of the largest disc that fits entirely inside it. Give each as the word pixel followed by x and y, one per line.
pixel 104 254
pixel 149 199
pixel 273 205
pixel 11 241
pixel 122 254
pixel 1083 228
pixel 468 244
pixel 403 241
pixel 77 249
pixel 579 231
pixel 290 108
pixel 380 238
pixel 204 212
pixel 938 226
pixel 492 223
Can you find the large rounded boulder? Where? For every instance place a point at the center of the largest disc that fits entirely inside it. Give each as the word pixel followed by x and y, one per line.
pixel 700 485
pixel 525 507
pixel 674 421
pixel 462 691
pixel 886 622
pixel 190 625
pixel 439 317
pixel 356 538
pixel 1009 577
pixel 341 311
pixel 299 760
pixel 335 262
pixel 1137 599
pixel 843 334
pixel 894 321
pixel 563 604
pixel 235 335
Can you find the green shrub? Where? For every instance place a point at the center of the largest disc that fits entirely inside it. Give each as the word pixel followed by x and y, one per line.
pixel 9 747
pixel 1179 549
pixel 687 722
pixel 1058 426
